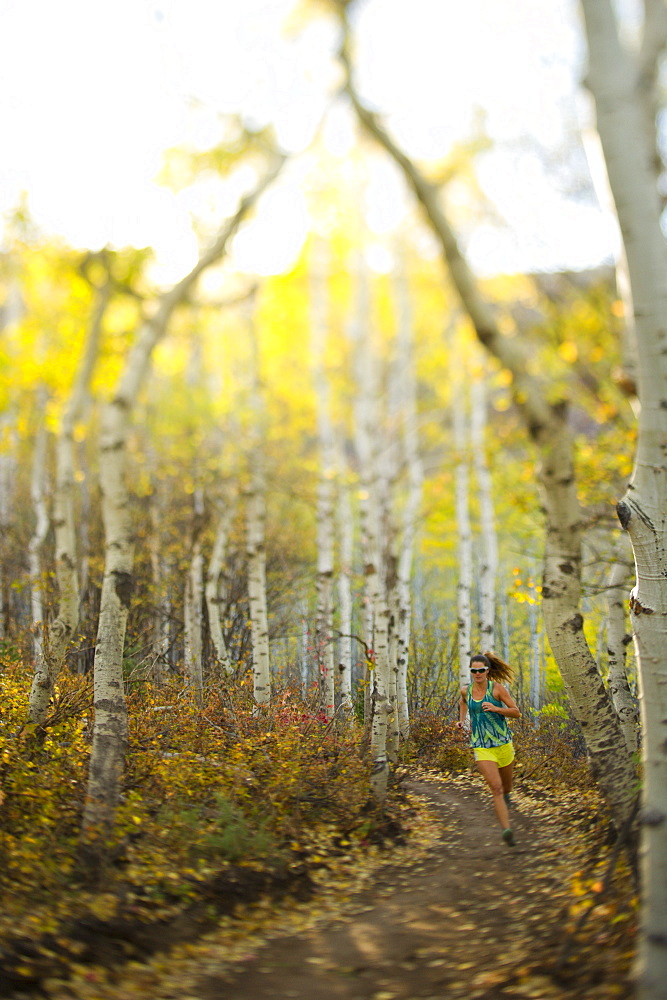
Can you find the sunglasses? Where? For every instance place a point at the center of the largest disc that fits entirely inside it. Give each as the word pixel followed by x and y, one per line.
pixel 478 670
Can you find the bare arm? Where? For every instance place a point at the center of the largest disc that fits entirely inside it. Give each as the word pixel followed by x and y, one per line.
pixel 463 708
pixel 510 711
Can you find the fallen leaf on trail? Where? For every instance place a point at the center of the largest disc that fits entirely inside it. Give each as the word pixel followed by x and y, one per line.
pixel 487 979
pixel 537 987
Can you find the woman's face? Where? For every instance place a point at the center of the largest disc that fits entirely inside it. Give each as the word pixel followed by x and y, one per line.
pixel 478 671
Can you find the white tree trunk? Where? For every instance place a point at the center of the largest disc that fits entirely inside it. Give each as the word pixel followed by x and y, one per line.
pixel 386 447
pixel 345 536
pixel 561 594
pixel 110 724
pixel 463 528
pixel 415 488
pixel 255 535
pixel 194 606
pixel 7 477
pixel 377 614
pixel 394 735
pixel 617 641
pixel 256 556
pixel 212 590
pixel 42 523
pixel 324 644
pixel 615 79
pixel 110 731
pixel 61 630
pixel 161 627
pixel 488 569
pixel 535 661
pixel 304 636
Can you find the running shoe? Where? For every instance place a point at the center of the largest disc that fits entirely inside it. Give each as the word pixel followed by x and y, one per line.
pixel 508 837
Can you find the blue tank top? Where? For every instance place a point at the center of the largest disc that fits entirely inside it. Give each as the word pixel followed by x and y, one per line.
pixel 487 729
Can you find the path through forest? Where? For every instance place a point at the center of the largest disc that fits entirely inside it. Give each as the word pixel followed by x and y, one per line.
pixel 467 918
pixel 474 919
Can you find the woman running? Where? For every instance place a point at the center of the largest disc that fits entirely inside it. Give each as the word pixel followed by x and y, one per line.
pixel 489 705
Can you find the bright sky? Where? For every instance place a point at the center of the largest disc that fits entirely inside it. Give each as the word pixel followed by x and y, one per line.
pixel 92 91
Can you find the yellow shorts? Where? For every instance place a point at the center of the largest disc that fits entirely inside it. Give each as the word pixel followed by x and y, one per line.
pixel 502 755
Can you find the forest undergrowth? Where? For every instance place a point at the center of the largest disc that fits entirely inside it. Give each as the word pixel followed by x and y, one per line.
pixel 224 808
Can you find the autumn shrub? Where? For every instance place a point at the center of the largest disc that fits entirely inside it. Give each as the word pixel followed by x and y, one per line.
pixel 41 783
pixel 550 749
pixel 219 782
pixel 437 743
pixel 205 786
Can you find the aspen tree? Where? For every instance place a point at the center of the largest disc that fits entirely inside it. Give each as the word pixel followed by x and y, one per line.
pixel 618 79
pixel 324 644
pixel 193 603
pixel 377 614
pixel 535 695
pixel 162 612
pixel 60 632
pixel 386 476
pixel 38 492
pixel 110 732
pixel 13 309
pixel 407 395
pixel 356 332
pixel 463 526
pixel 303 642
pixel 255 499
pixel 214 573
pixel 617 639
pixel 7 479
pixel 548 426
pixel 345 548
pixel 488 562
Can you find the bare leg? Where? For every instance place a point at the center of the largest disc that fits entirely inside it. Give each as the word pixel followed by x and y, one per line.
pixel 491 773
pixel 507 777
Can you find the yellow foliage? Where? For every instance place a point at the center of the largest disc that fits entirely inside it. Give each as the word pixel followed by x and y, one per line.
pixel 568 351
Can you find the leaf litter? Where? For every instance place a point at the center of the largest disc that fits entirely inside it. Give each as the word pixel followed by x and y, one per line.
pixel 453 912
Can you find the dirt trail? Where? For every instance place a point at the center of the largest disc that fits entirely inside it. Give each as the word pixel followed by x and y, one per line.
pixel 465 917
pixel 474 919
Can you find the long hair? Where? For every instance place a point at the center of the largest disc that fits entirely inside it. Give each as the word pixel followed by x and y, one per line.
pixel 498 669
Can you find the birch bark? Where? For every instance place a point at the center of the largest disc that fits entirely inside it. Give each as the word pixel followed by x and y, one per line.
pixel 7 485
pixel 255 537
pixel 160 569
pixel 617 641
pixel 324 644
pixel 214 574
pixel 256 554
pixel 60 632
pixel 415 486
pixel 535 661
pixel 42 522
pixel 488 569
pixel 377 625
pixel 194 605
pixel 346 548
pixel 615 79
pixel 110 731
pixel 463 528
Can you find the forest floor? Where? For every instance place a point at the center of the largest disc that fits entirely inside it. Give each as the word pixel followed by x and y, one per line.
pixel 453 913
